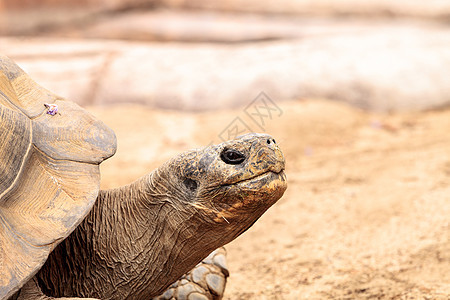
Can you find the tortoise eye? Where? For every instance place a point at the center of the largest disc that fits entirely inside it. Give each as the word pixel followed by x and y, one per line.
pixel 232 157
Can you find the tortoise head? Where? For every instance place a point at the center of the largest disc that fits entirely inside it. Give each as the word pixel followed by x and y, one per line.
pixel 231 184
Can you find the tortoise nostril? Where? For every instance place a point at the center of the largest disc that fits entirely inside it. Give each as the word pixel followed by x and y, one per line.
pixel 268 141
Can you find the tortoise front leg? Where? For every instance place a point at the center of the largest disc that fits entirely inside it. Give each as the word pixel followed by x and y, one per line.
pixel 32 291
pixel 206 281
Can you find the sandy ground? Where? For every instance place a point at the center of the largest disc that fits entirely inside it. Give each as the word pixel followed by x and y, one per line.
pixel 367 211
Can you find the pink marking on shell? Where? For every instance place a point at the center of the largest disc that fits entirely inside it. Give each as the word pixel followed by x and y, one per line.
pixel 52 109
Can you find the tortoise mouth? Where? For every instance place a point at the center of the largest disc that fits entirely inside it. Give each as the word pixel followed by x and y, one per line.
pixel 265 178
pixel 251 197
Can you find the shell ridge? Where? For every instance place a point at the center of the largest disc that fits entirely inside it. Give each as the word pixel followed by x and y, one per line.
pixel 61 159
pixel 18 107
pixel 62 189
pixel 6 98
pixel 3 221
pixel 25 159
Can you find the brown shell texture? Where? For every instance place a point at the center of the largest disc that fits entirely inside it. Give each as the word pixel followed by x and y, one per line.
pixel 49 172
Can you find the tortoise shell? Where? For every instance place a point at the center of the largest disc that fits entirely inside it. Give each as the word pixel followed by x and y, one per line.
pixel 49 172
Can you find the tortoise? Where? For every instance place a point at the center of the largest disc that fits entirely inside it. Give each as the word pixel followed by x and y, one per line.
pixel 61 236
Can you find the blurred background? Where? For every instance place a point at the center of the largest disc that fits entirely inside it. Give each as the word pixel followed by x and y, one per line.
pixel 202 55
pixel 355 92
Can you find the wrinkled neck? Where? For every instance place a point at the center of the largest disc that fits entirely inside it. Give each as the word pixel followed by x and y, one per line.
pixel 149 238
pixel 135 242
pixel 126 209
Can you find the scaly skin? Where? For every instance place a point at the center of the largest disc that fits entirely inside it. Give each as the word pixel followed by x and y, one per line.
pixel 139 239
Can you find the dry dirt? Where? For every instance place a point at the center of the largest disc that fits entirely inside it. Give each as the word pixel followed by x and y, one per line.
pixel 366 214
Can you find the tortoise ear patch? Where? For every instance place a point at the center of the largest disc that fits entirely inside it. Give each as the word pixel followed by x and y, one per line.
pixel 190 184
